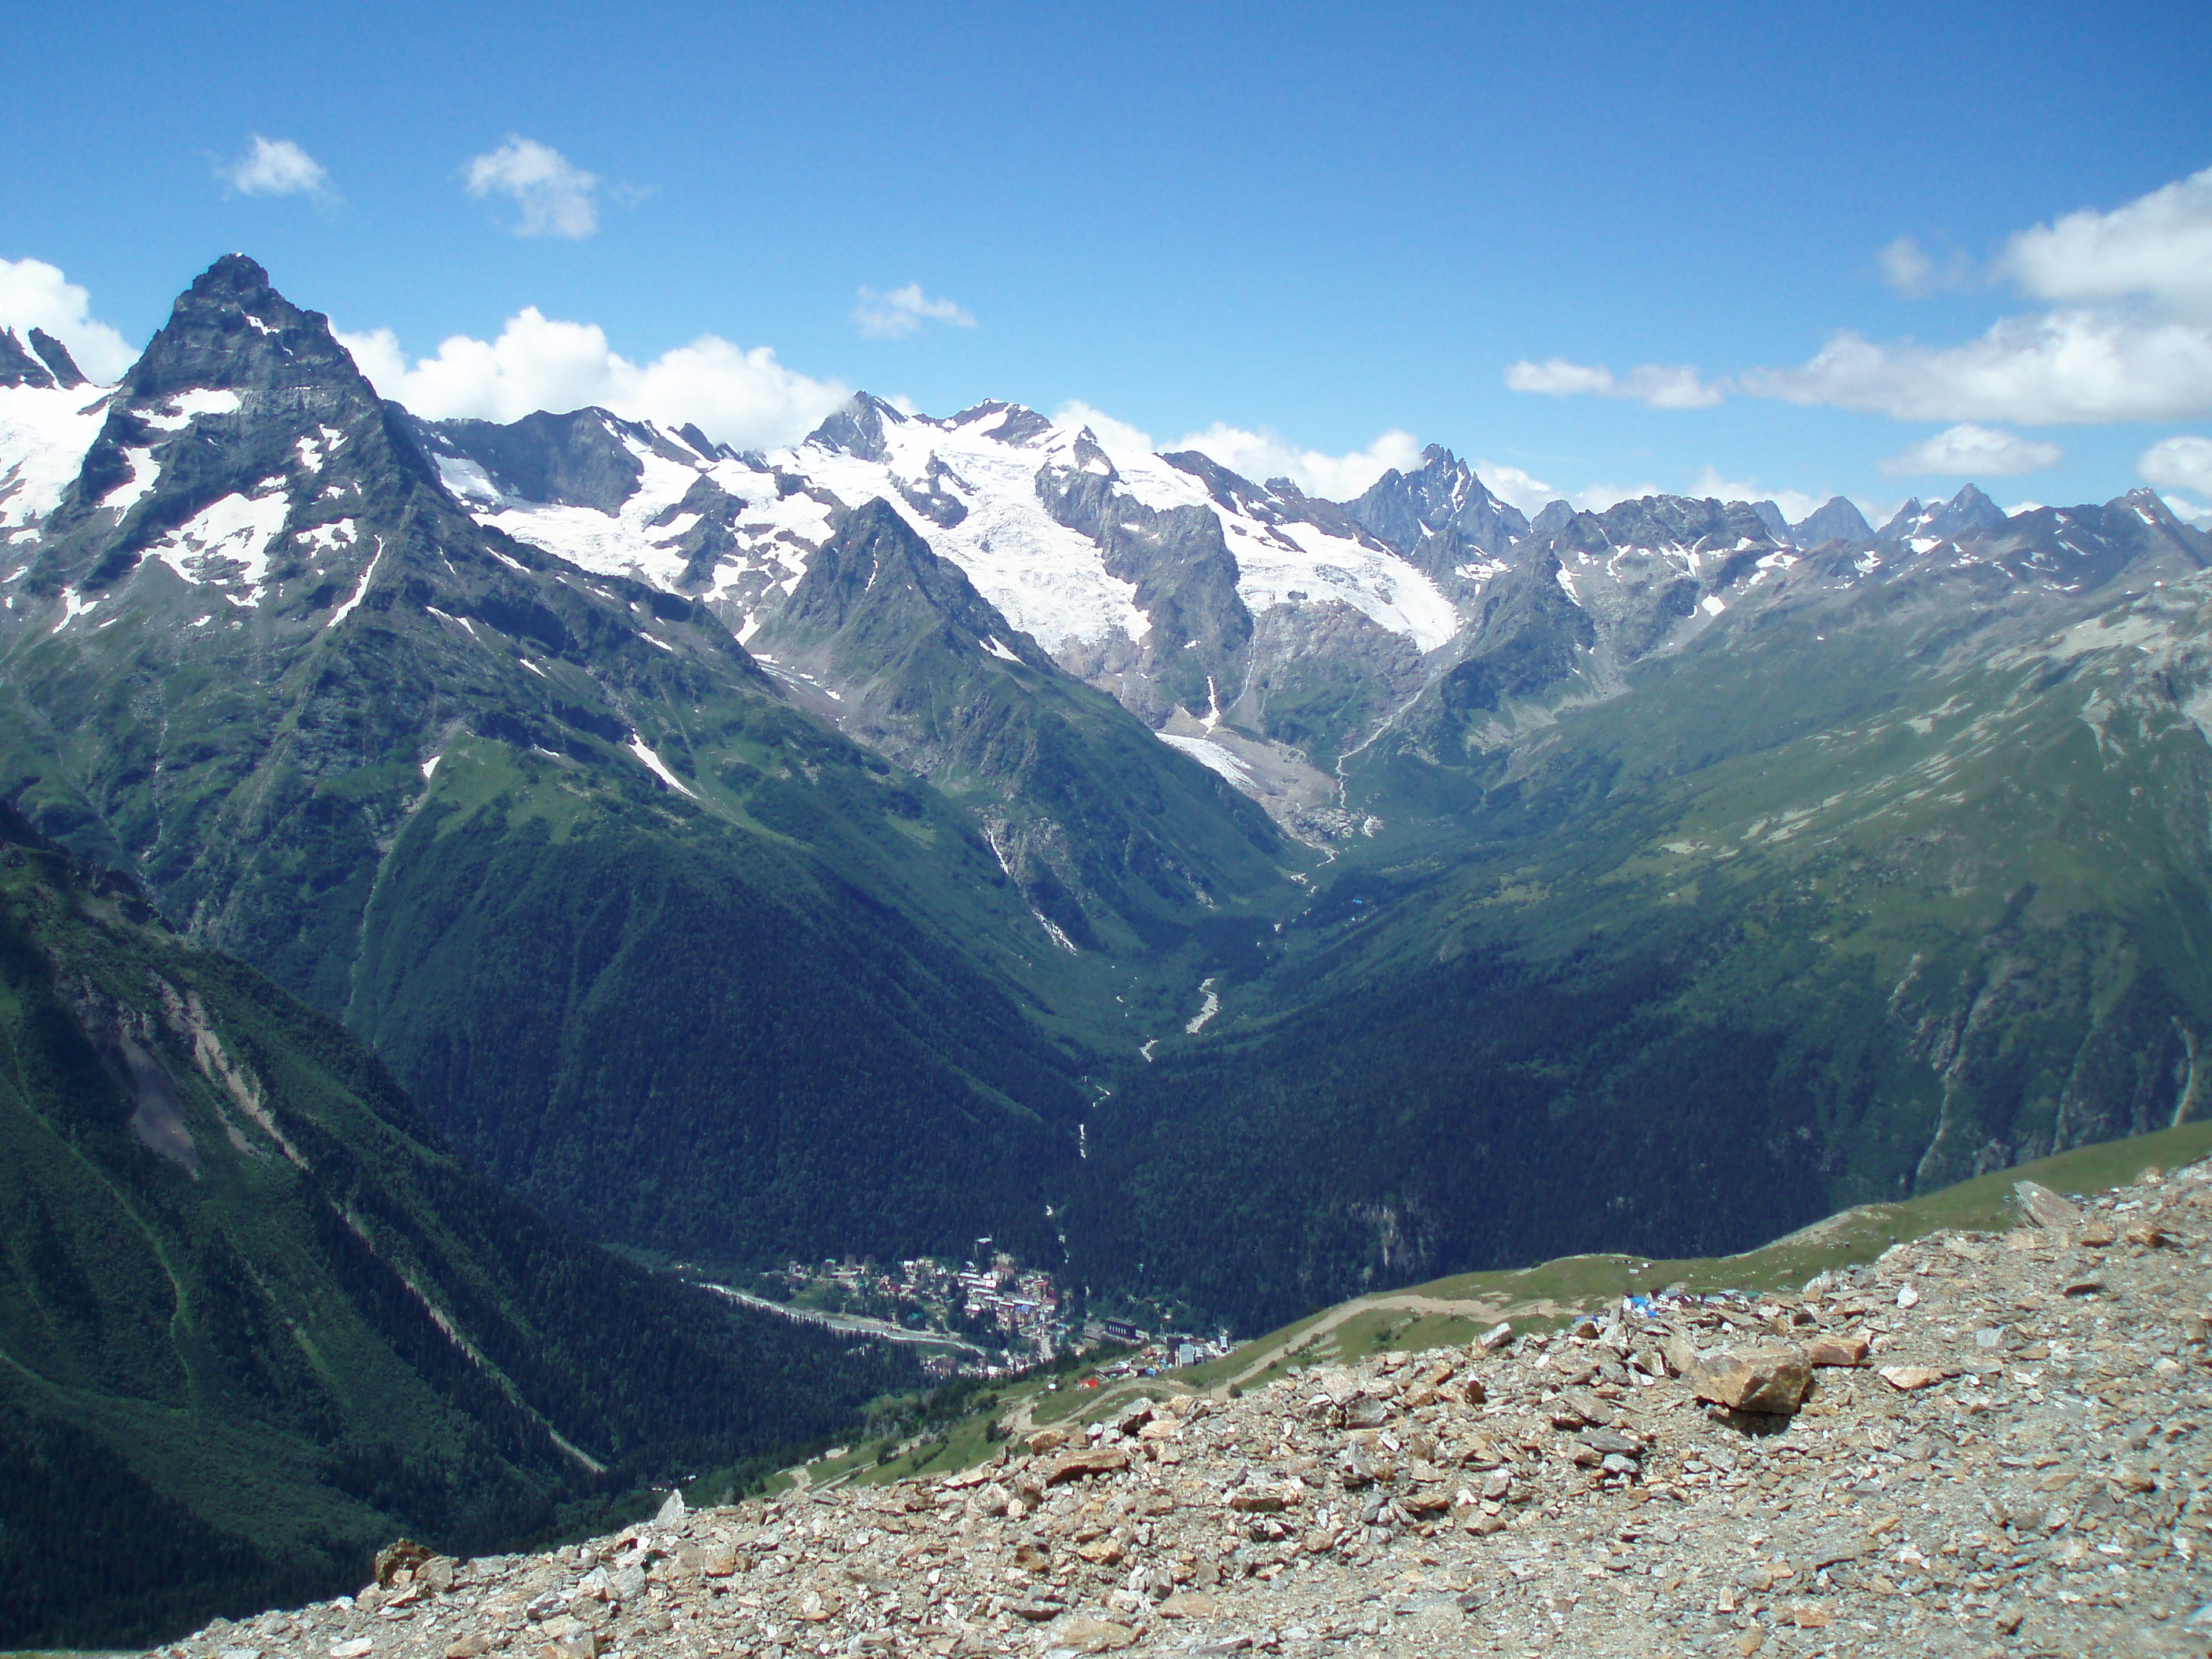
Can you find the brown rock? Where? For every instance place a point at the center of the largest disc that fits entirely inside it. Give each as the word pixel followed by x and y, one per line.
pixel 1367 1413
pixel 2096 1236
pixel 1085 1634
pixel 1045 1440
pixel 1076 1466
pixel 405 1553
pixel 473 1645
pixel 1102 1552
pixel 1753 1380
pixel 2044 1207
pixel 1836 1350
pixel 2149 1234
pixel 1191 1604
pixel 1907 1378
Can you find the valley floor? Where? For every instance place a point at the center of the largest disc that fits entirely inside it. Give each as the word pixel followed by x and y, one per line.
pixel 2022 1465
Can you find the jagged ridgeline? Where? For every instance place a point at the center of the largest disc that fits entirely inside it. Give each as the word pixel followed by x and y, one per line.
pixel 258 1318
pixel 664 951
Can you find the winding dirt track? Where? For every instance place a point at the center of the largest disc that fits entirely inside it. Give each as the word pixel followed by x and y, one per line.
pixel 1489 1308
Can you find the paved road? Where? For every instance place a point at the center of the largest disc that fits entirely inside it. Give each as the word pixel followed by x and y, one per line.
pixel 856 1324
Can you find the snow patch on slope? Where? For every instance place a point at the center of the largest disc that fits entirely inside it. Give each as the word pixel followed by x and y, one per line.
pixel 44 433
pixel 225 543
pixel 658 767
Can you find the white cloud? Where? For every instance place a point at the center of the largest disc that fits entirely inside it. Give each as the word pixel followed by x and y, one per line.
pixel 2158 247
pixel 1796 504
pixel 35 295
pixel 2055 368
pixel 1115 435
pixel 736 397
pixel 1968 451
pixel 2182 463
pixel 2196 512
pixel 1263 455
pixel 1519 488
pixel 1658 385
pixel 1907 267
pixel 276 167
pixel 895 315
pixel 2129 336
pixel 554 194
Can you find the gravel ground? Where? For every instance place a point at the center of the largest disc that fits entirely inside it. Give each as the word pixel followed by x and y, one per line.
pixel 1984 1443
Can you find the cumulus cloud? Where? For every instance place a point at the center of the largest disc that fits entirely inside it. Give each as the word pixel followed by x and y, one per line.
pixel 1912 271
pixel 276 167
pixel 902 312
pixel 2128 338
pixel 555 195
pixel 1519 488
pixel 1115 435
pixel 1968 451
pixel 1264 454
pixel 2060 368
pixel 1659 386
pixel 2158 247
pixel 736 397
pixel 2179 463
pixel 35 295
pixel 1796 504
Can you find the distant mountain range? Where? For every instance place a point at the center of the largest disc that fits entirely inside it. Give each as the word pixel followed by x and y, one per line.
pixel 835 849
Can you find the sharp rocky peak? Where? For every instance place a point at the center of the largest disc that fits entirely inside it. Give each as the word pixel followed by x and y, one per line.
pixel 1836 520
pixel 1968 513
pixel 1442 498
pixel 231 330
pixel 857 428
pixel 46 364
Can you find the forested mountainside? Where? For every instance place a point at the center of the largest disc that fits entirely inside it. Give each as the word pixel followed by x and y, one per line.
pixel 962 825
pixel 258 1318
pixel 1905 881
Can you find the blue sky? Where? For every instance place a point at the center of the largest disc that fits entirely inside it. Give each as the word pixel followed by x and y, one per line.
pixel 1297 229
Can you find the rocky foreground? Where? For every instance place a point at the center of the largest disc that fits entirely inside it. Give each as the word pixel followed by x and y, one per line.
pixel 1985 1443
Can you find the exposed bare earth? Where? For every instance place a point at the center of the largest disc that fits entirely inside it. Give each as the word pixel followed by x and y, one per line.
pixel 2019 1466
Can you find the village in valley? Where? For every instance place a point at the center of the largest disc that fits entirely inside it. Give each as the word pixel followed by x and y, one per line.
pixel 988 1315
